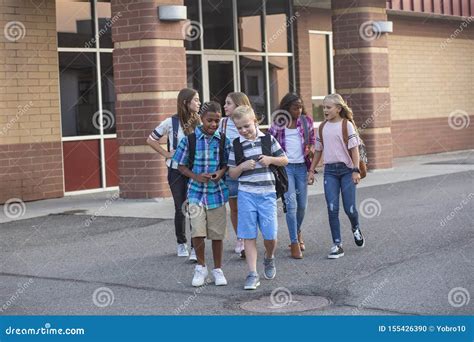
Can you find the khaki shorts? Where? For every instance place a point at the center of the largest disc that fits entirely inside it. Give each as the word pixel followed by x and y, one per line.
pixel 210 223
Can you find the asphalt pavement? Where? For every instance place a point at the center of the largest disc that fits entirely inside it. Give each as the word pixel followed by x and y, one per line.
pixel 418 260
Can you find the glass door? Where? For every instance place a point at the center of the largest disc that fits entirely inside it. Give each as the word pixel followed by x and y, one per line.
pixel 219 77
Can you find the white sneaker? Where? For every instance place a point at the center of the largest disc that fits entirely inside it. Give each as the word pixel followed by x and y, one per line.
pixel 200 275
pixel 239 246
pixel 183 250
pixel 219 278
pixel 193 256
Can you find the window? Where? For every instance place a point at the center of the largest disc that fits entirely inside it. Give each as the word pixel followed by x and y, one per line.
pixel 194 72
pixel 74 23
pixel 279 76
pixel 252 83
pixel 87 94
pixel 217 16
pixel 322 79
pixel 277 23
pixel 78 88
pixel 249 24
pixel 256 35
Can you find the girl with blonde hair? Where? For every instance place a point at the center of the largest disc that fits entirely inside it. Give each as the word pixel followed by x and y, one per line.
pixel 227 126
pixel 341 172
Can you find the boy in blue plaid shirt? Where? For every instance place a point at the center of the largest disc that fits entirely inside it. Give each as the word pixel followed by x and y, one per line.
pixel 207 192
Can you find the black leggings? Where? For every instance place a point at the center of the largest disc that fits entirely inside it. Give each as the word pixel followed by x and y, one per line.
pixel 179 187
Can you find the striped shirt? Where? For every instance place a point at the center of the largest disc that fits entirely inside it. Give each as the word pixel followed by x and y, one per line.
pixel 210 195
pixel 166 128
pixel 260 179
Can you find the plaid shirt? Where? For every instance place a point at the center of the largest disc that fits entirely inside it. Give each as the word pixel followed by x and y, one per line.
pixel 210 195
pixel 279 133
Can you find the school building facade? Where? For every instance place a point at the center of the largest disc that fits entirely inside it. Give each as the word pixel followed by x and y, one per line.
pixel 84 82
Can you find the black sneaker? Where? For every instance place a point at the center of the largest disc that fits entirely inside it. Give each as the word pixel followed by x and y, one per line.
pixel 336 252
pixel 242 254
pixel 358 238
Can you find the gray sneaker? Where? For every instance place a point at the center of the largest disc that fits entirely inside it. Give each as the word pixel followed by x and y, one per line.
pixel 252 281
pixel 269 268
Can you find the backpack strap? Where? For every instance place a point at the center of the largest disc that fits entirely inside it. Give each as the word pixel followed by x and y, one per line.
pixel 191 150
pixel 305 129
pixel 222 150
pixel 267 145
pixel 320 131
pixel 238 151
pixel 175 125
pixel 224 125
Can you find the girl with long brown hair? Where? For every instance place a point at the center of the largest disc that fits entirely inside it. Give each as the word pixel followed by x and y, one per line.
pixel 176 128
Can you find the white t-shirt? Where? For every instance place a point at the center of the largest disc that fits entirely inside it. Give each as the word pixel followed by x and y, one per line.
pixel 293 146
pixel 166 128
pixel 335 150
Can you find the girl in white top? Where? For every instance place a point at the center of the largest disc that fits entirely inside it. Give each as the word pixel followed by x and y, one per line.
pixel 227 126
pixel 185 120
pixel 341 172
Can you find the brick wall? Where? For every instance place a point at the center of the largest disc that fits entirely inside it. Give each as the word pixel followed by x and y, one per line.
pixel 361 73
pixel 30 137
pixel 431 73
pixel 430 78
pixel 149 71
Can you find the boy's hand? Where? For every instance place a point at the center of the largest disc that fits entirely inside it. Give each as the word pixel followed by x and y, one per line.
pixel 202 177
pixel 265 160
pixel 311 178
pixel 169 154
pixel 217 176
pixel 248 165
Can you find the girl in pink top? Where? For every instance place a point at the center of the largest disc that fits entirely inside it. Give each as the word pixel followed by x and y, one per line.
pixel 341 173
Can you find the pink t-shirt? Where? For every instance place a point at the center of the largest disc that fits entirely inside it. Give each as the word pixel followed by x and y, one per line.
pixel 334 150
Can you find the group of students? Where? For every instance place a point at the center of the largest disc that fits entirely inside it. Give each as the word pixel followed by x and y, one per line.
pixel 213 160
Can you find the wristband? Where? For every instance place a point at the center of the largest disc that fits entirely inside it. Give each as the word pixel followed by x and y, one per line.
pixel 356 169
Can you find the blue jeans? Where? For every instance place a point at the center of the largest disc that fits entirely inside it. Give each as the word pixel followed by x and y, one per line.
pixel 296 198
pixel 338 179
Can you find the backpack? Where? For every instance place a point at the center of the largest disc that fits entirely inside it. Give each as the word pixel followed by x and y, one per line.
pixel 192 150
pixel 306 134
pixel 363 161
pixel 175 125
pixel 279 172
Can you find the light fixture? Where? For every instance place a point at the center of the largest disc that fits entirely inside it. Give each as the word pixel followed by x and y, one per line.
pixel 172 13
pixel 382 26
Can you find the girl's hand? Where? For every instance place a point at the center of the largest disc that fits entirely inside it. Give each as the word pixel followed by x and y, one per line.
pixel 356 177
pixel 248 165
pixel 311 178
pixel 169 154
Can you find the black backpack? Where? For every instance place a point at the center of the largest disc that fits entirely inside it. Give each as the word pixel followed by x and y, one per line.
pixel 175 126
pixel 281 177
pixel 192 150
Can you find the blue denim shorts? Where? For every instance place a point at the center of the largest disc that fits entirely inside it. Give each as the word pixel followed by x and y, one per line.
pixel 257 210
pixel 232 185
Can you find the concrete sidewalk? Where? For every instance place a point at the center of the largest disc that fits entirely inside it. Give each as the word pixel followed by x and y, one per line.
pixel 107 203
